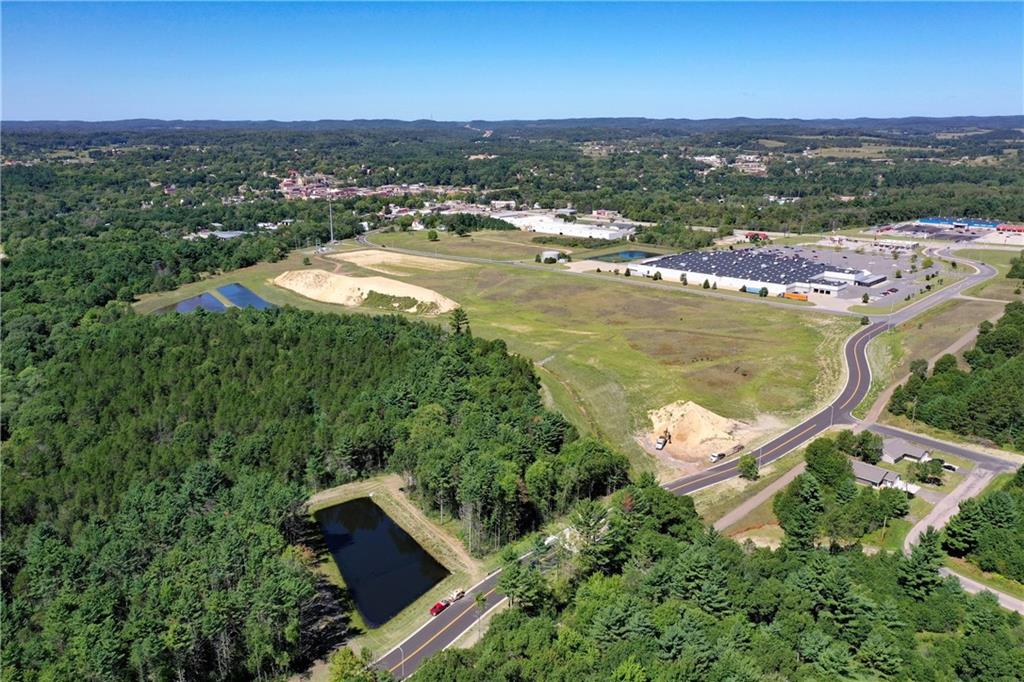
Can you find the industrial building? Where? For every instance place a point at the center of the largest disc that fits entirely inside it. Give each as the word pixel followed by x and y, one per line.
pixel 755 269
pixel 547 224
pixel 958 223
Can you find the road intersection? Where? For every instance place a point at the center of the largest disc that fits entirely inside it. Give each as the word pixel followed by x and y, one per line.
pixel 440 632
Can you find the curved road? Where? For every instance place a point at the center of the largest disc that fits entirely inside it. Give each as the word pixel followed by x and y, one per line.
pixel 439 632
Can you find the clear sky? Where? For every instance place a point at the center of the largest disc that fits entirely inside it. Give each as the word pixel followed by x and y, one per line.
pixel 455 61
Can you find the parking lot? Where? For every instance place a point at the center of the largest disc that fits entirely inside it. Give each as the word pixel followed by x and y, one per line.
pixel 893 289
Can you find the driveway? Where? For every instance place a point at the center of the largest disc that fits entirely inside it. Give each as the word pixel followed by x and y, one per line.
pixel 948 506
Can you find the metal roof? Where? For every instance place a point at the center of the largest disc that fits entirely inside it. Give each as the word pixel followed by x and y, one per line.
pixel 869 473
pixel 759 265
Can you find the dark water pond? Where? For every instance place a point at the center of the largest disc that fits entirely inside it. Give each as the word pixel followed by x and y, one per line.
pixel 243 296
pixel 624 256
pixel 384 568
pixel 205 300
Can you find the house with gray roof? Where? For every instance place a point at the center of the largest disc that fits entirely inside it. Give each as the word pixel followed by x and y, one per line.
pixel 897 449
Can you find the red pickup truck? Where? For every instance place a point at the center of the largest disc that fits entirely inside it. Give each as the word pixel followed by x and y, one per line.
pixel 446 602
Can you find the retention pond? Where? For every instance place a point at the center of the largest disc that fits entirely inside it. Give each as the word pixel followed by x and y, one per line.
pixel 624 256
pixel 384 569
pixel 243 297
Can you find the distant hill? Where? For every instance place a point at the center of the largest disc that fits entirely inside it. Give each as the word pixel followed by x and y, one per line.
pixel 912 125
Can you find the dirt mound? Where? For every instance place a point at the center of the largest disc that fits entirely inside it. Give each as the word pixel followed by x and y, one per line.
pixel 696 432
pixel 381 292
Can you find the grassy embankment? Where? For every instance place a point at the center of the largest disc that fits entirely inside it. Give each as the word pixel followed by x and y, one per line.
pixel 436 537
pixel 999 287
pixel 925 336
pixel 609 351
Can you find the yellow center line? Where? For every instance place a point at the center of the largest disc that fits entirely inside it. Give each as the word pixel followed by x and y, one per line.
pixel 439 633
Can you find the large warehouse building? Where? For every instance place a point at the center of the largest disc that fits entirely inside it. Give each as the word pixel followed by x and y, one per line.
pixel 547 224
pixel 756 269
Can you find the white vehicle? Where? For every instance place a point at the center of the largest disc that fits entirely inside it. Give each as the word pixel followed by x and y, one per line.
pixel 660 443
pixel 717 457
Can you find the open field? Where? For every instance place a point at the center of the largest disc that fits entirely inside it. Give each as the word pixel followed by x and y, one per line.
pixel 437 539
pixel 508 245
pixel 610 352
pixel 617 351
pixel 865 151
pixel 999 287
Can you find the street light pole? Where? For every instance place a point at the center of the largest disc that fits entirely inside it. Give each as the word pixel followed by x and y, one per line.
pixel 401 652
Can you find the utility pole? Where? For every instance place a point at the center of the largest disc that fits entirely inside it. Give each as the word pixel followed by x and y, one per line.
pixel 330 213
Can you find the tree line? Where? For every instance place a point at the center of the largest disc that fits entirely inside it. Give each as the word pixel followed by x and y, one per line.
pixel 989 532
pixel 987 399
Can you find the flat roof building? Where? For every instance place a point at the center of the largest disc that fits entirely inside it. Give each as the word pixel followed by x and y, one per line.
pixel 752 269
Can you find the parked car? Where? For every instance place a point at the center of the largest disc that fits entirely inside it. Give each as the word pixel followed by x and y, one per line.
pixel 950 467
pixel 447 601
pixel 660 443
pixel 717 457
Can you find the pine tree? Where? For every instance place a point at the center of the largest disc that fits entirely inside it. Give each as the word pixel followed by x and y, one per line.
pixel 963 529
pixel 919 573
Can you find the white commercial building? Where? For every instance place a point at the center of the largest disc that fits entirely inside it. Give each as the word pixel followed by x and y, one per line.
pixel 546 224
pixel 752 270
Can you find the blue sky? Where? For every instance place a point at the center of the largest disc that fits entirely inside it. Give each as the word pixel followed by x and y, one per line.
pixel 457 61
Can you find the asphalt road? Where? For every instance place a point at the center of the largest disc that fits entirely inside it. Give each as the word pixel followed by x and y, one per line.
pixel 437 633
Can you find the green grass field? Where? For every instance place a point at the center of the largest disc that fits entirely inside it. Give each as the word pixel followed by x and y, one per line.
pixel 999 287
pixel 506 245
pixel 611 351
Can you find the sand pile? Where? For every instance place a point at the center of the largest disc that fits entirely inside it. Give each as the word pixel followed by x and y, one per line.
pixel 376 259
pixel 696 432
pixel 328 287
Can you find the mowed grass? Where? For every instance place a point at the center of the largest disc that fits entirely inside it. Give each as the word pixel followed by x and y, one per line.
pixel 999 287
pixel 506 245
pixel 611 351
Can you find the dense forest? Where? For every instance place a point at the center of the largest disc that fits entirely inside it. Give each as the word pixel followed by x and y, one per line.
pixel 154 467
pixel 989 531
pixel 657 597
pixel 987 400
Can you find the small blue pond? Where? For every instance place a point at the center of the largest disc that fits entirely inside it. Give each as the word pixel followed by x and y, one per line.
pixel 205 300
pixel 384 569
pixel 624 256
pixel 243 297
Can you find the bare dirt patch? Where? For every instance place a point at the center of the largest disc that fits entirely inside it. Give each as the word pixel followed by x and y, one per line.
pixel 375 259
pixel 329 287
pixel 697 432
